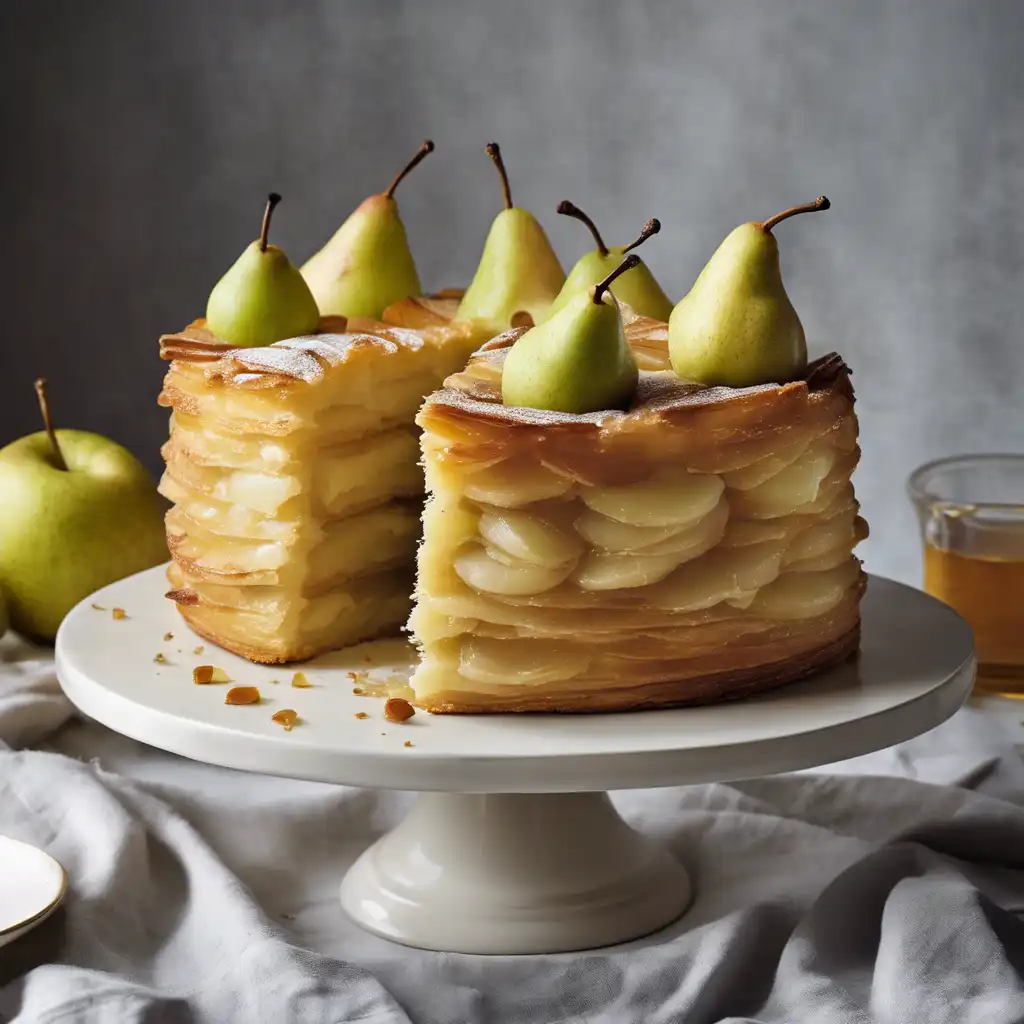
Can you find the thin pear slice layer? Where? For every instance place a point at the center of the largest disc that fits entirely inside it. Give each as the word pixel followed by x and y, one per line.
pixel 477 567
pixel 530 539
pixel 490 662
pixel 670 498
pixel 602 570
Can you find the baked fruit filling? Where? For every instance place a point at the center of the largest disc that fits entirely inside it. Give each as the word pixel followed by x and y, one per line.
pixel 294 477
pixel 699 543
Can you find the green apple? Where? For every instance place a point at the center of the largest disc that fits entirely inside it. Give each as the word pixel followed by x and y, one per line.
pixel 67 532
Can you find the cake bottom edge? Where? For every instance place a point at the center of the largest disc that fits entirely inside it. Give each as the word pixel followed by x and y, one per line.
pixel 391 626
pixel 713 688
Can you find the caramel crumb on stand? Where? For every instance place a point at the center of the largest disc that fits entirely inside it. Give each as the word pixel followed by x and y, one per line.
pixel 98 607
pixel 285 717
pixel 159 658
pixel 361 714
pixel 197 650
pixel 407 743
pixel 168 636
pixel 357 690
pixel 242 695
pixel 300 682
pixel 398 709
pixel 119 613
pixel 209 674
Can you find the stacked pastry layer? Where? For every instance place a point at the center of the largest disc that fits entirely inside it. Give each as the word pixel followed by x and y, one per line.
pixel 695 548
pixel 294 477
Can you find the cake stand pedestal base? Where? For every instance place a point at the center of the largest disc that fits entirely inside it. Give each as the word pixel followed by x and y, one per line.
pixel 514 873
pixel 513 845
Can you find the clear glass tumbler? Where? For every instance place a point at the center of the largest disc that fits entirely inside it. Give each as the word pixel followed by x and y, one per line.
pixel 971 510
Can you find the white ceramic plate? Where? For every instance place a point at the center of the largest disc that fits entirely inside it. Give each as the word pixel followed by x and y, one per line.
pixel 914 670
pixel 32 885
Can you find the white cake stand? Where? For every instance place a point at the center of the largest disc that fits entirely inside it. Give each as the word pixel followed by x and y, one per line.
pixel 514 845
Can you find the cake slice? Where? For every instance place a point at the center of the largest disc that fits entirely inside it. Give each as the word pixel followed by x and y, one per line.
pixel 293 473
pixel 693 548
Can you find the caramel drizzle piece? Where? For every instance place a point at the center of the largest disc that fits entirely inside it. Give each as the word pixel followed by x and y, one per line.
pixel 397 709
pixel 202 674
pixel 286 717
pixel 242 695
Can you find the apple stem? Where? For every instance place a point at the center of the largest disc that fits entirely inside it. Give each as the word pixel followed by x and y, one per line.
pixel 44 406
pixel 272 200
pixel 627 264
pixel 652 227
pixel 572 210
pixel 426 148
pixel 494 153
pixel 821 203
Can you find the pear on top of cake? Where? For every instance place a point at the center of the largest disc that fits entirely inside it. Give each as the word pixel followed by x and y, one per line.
pixel 603 536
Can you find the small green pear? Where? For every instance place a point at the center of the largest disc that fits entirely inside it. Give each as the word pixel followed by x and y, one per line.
pixel 737 327
pixel 577 361
pixel 262 298
pixel 367 264
pixel 637 289
pixel 519 274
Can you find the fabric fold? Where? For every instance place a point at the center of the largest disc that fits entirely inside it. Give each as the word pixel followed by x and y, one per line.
pixel 886 889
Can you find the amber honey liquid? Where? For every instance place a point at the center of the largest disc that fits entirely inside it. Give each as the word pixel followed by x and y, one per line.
pixel 987 589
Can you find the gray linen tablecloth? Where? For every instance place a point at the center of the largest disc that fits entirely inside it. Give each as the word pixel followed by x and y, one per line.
pixel 888 890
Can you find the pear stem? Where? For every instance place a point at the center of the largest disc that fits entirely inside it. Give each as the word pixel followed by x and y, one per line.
pixel 494 153
pixel 272 200
pixel 572 210
pixel 821 203
pixel 652 227
pixel 44 407
pixel 627 264
pixel 426 148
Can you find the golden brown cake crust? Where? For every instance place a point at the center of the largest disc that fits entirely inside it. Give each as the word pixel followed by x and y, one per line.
pixel 476 394
pixel 758 589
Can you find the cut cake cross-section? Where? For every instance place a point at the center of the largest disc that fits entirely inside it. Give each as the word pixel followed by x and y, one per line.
pixel 695 548
pixel 293 472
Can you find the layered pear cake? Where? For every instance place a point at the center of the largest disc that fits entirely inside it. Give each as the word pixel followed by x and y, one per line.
pixel 294 477
pixel 694 547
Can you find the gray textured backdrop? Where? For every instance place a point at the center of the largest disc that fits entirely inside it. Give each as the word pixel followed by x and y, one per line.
pixel 140 139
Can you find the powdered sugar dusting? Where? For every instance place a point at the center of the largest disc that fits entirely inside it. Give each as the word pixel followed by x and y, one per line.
pixel 307 358
pixel 407 339
pixel 283 361
pixel 334 349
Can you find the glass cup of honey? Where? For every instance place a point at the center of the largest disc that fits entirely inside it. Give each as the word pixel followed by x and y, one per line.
pixel 971 510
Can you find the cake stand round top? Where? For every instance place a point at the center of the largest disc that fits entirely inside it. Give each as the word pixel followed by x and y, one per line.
pixel 915 669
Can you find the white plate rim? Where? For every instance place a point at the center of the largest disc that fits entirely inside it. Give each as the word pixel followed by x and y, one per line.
pixel 37 918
